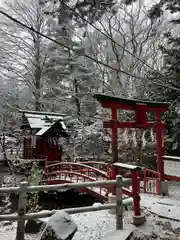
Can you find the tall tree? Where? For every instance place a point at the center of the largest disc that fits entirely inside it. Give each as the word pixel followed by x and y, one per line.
pixel 127 40
pixel 169 90
pixel 91 10
pixel 25 50
pixel 71 81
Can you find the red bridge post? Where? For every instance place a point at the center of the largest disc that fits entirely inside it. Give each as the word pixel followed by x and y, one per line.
pixel 114 146
pixel 159 145
pixel 136 192
pixel 138 218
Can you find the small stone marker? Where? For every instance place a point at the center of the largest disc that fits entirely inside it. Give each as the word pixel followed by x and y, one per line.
pixel 59 227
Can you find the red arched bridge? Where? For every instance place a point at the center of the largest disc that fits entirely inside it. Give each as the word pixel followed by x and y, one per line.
pixel 148 180
pixel 71 172
pixel 68 172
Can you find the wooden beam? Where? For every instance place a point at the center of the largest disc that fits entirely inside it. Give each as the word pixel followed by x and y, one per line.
pixel 141 116
pixel 117 105
pixel 109 124
pixel 121 106
pixel 129 102
pixel 48 213
pixel 127 166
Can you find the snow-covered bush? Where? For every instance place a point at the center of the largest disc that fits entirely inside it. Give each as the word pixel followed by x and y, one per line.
pixel 35 178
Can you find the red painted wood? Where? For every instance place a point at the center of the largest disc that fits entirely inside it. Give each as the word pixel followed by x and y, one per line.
pixel 159 147
pixel 75 167
pixel 70 173
pixel 117 105
pixel 100 165
pixel 114 146
pixel 141 110
pixel 158 109
pixel 172 178
pixel 114 135
pixel 51 150
pixel 151 181
pixel 71 178
pixel 109 124
pixel 94 163
pixel 141 117
pixel 136 192
pixel 127 192
pixel 145 181
pixel 28 150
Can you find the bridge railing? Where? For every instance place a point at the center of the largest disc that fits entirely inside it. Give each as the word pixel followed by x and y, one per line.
pixel 23 189
pixel 151 182
pixel 74 167
pixel 97 164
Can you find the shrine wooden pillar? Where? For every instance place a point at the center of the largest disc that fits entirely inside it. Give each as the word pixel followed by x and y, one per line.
pixel 114 145
pixel 159 146
pixel 114 135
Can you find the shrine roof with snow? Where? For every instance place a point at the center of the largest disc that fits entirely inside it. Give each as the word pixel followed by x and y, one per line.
pixel 41 121
pixel 131 102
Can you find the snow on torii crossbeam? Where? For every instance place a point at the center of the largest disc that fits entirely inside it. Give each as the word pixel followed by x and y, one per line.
pixel 141 109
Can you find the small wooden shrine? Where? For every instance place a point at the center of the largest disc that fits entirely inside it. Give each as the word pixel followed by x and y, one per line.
pixel 141 109
pixel 42 133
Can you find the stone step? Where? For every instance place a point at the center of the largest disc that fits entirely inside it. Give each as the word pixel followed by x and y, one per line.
pixel 123 234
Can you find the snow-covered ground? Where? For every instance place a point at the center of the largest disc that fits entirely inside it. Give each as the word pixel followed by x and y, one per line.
pixel 94 225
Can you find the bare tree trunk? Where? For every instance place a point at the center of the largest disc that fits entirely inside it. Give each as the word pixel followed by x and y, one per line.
pixel 78 106
pixel 76 88
pixel 37 40
pixel 38 86
pixel 3 147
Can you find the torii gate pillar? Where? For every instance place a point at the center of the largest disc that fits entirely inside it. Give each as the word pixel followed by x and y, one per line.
pixel 141 109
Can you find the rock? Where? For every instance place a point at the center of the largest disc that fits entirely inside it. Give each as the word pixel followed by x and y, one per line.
pixel 34 226
pixel 59 227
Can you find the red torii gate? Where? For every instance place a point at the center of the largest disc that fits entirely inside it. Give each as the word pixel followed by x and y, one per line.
pixel 141 109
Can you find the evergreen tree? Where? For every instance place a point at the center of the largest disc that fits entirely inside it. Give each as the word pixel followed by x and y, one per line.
pixel 91 10
pixel 69 74
pixel 71 78
pixel 169 90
